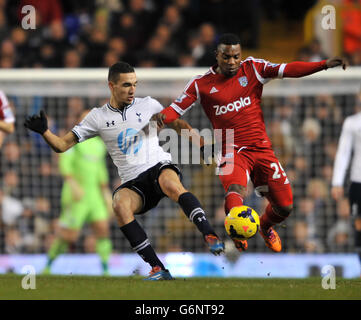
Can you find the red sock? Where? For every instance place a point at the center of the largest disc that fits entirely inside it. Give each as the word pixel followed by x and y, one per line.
pixel 270 218
pixel 233 199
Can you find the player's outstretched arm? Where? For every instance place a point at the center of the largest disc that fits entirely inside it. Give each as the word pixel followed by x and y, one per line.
pixel 39 124
pixel 60 144
pixel 299 69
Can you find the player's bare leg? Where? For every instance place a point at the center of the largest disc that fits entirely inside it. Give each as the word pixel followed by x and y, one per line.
pixel 126 203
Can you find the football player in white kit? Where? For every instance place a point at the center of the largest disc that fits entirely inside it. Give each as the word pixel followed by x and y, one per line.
pixel 350 145
pixel 146 171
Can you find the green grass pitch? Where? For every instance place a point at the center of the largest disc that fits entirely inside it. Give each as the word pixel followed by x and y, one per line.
pixel 134 288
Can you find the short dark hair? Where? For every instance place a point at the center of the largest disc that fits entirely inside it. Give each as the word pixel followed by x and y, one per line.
pixel 119 67
pixel 228 39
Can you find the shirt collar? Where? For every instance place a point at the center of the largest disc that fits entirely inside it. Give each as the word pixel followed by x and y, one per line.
pixel 213 69
pixel 118 110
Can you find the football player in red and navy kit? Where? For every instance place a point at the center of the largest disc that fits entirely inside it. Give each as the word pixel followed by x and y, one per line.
pixel 230 94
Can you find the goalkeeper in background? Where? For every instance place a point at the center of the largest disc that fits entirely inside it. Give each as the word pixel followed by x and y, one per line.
pixel 85 198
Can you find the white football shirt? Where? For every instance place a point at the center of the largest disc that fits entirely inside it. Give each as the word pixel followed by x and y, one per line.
pixel 350 141
pixel 132 150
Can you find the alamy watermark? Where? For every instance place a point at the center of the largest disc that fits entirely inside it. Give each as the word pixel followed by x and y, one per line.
pixel 140 147
pixel 329 277
pixel 29 20
pixel 29 280
pixel 328 21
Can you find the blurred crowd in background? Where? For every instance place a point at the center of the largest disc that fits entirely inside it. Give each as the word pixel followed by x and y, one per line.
pixel 146 33
pixel 165 33
pixel 304 131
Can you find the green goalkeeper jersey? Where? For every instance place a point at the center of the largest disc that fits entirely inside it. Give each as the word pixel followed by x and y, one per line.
pixel 86 163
